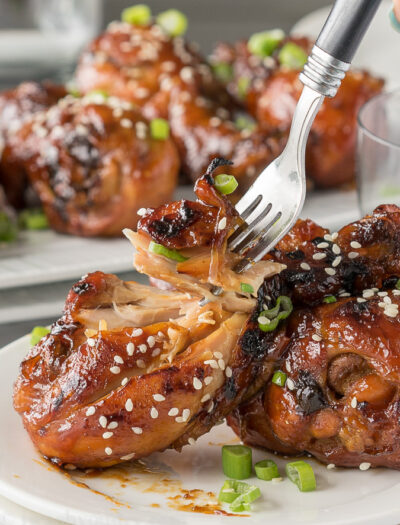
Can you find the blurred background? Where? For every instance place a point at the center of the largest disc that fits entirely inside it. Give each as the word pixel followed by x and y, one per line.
pixel 41 38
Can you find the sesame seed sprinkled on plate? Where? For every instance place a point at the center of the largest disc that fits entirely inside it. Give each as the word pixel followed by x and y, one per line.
pixel 197 384
pixel 316 337
pixel 331 466
pixel 90 411
pixel 158 397
pixel 108 451
pixel 107 435
pixel 128 456
pixel 112 425
pixel 205 398
pixel 353 255
pixel 290 384
pixel 154 413
pixel 364 466
pixel 336 261
pixel 140 363
pixel 115 370
pixel 208 380
pixel 353 403
pixel 228 371
pixel 355 245
pixel 103 421
pixel 276 480
pixel 91 342
pixel 305 266
pixel 129 405
pixel 330 271
pixel 137 332
pixel 118 359
pixel 319 256
pixel 137 430
pixel 130 348
pixel 173 412
pixel 191 441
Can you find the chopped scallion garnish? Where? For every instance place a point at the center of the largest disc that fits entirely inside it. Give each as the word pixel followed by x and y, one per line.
pixel 159 249
pixel 37 334
pixel 239 494
pixel 263 44
pixel 226 184
pixel 267 469
pixel 246 288
pixel 237 461
pixel 398 284
pixel 329 299
pixel 159 129
pixel 8 229
pixel 244 122
pixel 33 219
pixel 223 71
pixel 292 56
pixel 173 22
pixel 279 378
pixel 268 320
pixel 138 15
pixel 243 85
pixel 302 474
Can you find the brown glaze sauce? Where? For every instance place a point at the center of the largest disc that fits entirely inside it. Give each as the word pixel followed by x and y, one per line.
pixel 198 500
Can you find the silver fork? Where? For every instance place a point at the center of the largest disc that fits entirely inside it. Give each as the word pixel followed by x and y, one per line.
pixel 273 203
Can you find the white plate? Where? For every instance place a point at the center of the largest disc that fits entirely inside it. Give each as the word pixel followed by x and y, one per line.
pixel 343 496
pixel 378 51
pixel 46 256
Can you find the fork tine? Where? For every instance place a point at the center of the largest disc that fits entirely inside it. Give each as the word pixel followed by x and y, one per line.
pixel 241 233
pixel 253 235
pixel 250 208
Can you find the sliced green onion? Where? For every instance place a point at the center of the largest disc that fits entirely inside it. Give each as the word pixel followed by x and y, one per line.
pixel 159 249
pixel 223 71
pixel 173 22
pixel 267 469
pixel 159 129
pixel 33 220
pixel 73 90
pixel 8 229
pixel 38 333
pixel 228 492
pixel 244 122
pixel 268 320
pixel 329 299
pixel 239 505
pixel 398 284
pixel 237 461
pixel 239 494
pixel 292 56
pixel 243 84
pixel 246 288
pixel 225 184
pixel 279 378
pixel 302 474
pixel 263 44
pixel 138 15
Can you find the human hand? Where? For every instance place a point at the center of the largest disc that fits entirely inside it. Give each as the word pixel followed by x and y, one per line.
pixel 395 15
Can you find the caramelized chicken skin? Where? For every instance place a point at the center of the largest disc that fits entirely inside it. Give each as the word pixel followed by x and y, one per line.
pixel 271 97
pixel 16 107
pixel 340 401
pixel 93 163
pixel 130 369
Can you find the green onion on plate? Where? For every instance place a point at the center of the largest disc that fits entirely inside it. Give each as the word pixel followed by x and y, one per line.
pixel 33 219
pixel 268 320
pixel 37 334
pixel 237 461
pixel 173 22
pixel 263 44
pixel 159 129
pixel 329 299
pixel 246 288
pixel 223 71
pixel 302 475
pixel 279 378
pixel 266 470
pixel 138 15
pixel 159 249
pixel 292 56
pixel 225 184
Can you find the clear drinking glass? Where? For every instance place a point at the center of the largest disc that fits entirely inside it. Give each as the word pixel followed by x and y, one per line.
pixel 378 152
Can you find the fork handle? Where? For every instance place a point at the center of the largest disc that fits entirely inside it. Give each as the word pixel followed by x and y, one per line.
pixel 337 43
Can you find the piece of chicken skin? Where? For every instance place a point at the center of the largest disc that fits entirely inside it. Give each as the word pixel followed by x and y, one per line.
pixel 94 164
pixel 342 360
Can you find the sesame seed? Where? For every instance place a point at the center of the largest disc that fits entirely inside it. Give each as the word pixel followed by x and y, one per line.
pixel 130 348
pixel 212 362
pixel 382 294
pixel 197 383
pixel 155 352
pixel 69 466
pixel 344 294
pixel 128 457
pixel 221 364
pixel 108 451
pixel 112 425
pixel 316 337
pixel 151 341
pixel 117 112
pixel 355 245
pixel 361 300
pixel 305 266
pixel 335 249
pixel 328 237
pixel 334 236
pixel 158 397
pixel 124 381
pixel 367 294
pixel 137 332
pixel 126 123
pixel 228 371
pixel 90 411
pixel 330 466
pixel 290 384
pixel 276 480
pixel 390 312
pixel 210 408
pixel 137 430
pixel 330 271
pixel 323 245
pixel 215 122
pixel 154 413
pixel 208 380
pixel 91 342
pixel 185 414
pixel 173 412
pixel 396 292
pixel 263 320
pixel 141 212
pixel 218 355
pixel 381 304
pixel 353 403
pixel 129 405
pixel 387 300
pixel 103 421
pixel 141 130
pixel 336 261
pixel 288 366
pixel 118 359
pixel 205 398
pixel 352 255
pixel 142 348
pixel 140 363
pixel 115 370
pixel 179 419
pixel 364 466
pixel 319 256
pixel 186 74
pixel 107 435
pixel 191 441
pixel 222 224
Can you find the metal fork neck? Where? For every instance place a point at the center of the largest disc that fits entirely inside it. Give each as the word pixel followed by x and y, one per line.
pixel 323 72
